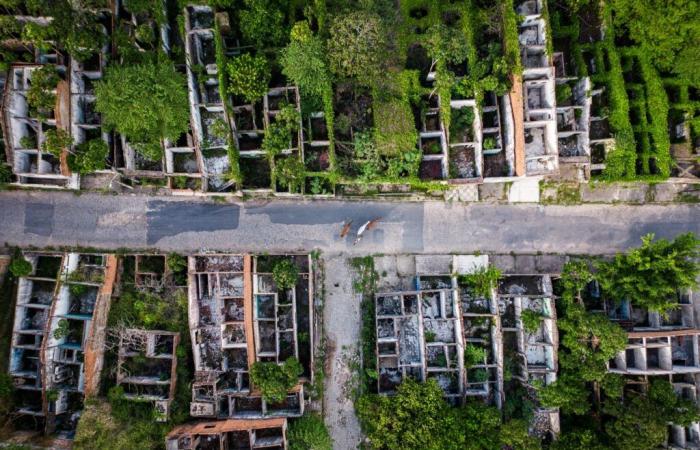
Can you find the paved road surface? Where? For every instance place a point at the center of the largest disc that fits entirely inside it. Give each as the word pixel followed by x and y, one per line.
pixel 172 223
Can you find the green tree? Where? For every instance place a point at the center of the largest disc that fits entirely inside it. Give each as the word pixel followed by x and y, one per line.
pixel 262 22
pixel 641 420
pixel 447 44
pixel 671 39
pixel 248 76
pixel 651 275
pixel 146 103
pixel 356 46
pixel 304 62
pixel 275 380
pixel 88 156
pixel 285 273
pixel 291 173
pixel 40 95
pixel 309 433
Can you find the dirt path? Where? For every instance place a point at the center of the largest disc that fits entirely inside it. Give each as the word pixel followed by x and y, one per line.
pixel 342 325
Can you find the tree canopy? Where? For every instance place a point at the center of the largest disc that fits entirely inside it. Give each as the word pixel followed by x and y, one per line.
pixel 274 380
pixel 145 103
pixel 651 275
pixel 304 61
pixel 356 46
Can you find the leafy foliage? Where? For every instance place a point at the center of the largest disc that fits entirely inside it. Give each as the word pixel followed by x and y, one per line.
pixel 278 135
pixel 483 281
pixel 20 267
pixel 262 22
pixel 670 39
pixel 146 103
pixel 356 45
pixel 474 355
pixel 447 44
pixel 61 330
pixel 309 433
pixel 304 61
pixel 88 156
pixel 40 96
pixel 248 76
pixel 531 320
pixel 285 273
pixel 56 140
pixel 274 380
pixel 651 275
pixel 641 421
pixel 291 173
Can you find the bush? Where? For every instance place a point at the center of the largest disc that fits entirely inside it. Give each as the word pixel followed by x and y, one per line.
pixel 483 281
pixel 531 320
pixel 20 267
pixel 275 380
pixel 56 140
pixel 356 45
pixel 309 433
pixel 88 156
pixel 146 103
pixel 474 355
pixel 285 274
pixel 248 76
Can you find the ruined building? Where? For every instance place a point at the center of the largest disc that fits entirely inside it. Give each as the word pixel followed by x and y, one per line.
pixel 473 345
pixel 230 434
pixel 58 336
pixel 238 317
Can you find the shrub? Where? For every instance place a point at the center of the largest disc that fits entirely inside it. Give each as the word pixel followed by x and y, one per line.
pixel 447 44
pixel 563 93
pixel 356 45
pixel 61 330
pixel 474 355
pixel 146 103
pixel 88 156
pixel 483 281
pixel 274 380
pixel 56 140
pixel 285 274
pixel 248 76
pixel 20 267
pixel 531 320
pixel 367 158
pixel 309 433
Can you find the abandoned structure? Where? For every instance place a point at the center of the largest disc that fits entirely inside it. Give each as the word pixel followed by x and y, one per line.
pixel 472 345
pixel 660 346
pixel 56 350
pixel 239 317
pixel 147 367
pixel 230 434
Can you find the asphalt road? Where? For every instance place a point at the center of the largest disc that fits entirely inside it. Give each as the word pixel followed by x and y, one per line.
pixel 57 219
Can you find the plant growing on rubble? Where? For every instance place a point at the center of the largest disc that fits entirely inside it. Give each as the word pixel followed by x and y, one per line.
pixel 20 267
pixel 248 76
pixel 274 380
pixel 285 274
pixel 278 136
pixel 531 320
pixel 309 433
pixel 304 61
pixel 651 275
pixel 56 140
pixel 146 103
pixel 483 281
pixel 61 330
pixel 88 156
pixel 474 355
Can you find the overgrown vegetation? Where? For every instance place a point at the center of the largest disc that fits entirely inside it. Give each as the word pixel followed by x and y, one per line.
pixel 309 433
pixel 275 380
